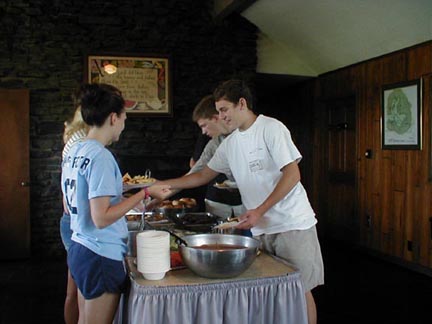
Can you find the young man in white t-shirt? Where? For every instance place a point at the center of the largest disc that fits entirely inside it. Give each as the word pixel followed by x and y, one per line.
pixel 263 159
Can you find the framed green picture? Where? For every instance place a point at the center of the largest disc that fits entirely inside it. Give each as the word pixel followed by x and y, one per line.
pixel 401 117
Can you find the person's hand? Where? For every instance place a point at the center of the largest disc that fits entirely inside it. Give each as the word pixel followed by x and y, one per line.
pixel 159 191
pixel 152 204
pixel 139 207
pixel 249 219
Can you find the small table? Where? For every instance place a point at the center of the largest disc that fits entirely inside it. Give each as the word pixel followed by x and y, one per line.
pixel 269 291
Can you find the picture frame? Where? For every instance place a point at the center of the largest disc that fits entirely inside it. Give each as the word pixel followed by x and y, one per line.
pixel 144 80
pixel 401 116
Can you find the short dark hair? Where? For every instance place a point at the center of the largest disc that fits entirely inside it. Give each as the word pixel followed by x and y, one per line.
pixel 98 101
pixel 206 108
pixel 233 90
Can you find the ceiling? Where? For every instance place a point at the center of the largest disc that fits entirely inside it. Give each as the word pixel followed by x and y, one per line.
pixel 311 37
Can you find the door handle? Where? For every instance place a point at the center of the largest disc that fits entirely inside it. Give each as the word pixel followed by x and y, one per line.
pixel 25 184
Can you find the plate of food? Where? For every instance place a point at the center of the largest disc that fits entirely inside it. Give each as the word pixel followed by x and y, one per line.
pixel 227 184
pixel 138 181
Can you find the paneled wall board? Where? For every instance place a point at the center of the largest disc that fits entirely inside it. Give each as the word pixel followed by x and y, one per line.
pixel 394 207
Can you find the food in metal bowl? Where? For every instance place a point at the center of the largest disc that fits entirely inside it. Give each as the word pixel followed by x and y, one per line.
pixel 219 255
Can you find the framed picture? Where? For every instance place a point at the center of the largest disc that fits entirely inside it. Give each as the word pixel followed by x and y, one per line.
pixel 401 116
pixel 144 80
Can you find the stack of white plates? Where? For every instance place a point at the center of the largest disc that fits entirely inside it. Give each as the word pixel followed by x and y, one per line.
pixel 153 254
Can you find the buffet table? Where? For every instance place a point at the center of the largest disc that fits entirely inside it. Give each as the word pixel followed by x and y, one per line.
pixel 268 292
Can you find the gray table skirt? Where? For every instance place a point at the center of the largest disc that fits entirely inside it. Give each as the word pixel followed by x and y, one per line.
pixel 264 300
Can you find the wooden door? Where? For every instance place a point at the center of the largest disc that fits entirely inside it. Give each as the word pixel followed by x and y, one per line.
pixel 14 174
pixel 341 220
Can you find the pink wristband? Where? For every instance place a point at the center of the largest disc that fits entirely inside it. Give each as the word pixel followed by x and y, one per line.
pixel 147 193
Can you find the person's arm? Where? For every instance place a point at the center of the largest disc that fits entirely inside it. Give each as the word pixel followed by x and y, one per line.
pixel 103 214
pixel 205 157
pixel 184 182
pixel 290 177
pixel 191 162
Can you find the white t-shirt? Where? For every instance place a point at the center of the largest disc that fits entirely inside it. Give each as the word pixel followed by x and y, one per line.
pixel 77 136
pixel 207 154
pixel 255 157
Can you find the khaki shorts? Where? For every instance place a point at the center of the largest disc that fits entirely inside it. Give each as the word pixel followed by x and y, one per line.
pixel 301 249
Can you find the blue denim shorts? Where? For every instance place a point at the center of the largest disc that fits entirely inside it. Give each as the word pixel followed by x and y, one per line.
pixel 93 274
pixel 65 230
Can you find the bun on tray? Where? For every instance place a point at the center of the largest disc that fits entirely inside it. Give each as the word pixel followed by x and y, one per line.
pixel 178 203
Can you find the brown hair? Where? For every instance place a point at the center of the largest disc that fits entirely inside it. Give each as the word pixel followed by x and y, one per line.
pixel 98 101
pixel 205 109
pixel 233 90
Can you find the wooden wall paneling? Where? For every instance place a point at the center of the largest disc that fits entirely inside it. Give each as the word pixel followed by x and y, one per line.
pixel 399 169
pixel 387 157
pixel 306 110
pixel 351 216
pixel 394 187
pixel 374 195
pixel 336 84
pixel 321 156
pixel 426 131
pixel 375 242
pixel 357 75
pixel 374 77
pixel 319 200
pixel 426 225
pixel 415 210
pixel 425 222
pixel 372 72
pixel 420 66
pixel 341 166
pixel 362 160
pixel 417 64
pixel 338 92
pixel 366 130
pixel 398 220
pixel 399 176
pixel 393 71
pixel 394 68
pixel 387 205
pixel 408 224
pixel 417 220
pixel 419 61
pixel 418 178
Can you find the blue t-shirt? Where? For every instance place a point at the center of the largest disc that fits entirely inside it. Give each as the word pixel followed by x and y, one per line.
pixel 89 171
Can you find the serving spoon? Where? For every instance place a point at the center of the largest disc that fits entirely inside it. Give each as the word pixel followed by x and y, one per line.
pixel 229 224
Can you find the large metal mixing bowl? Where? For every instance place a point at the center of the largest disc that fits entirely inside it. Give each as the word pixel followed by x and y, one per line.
pixel 218 263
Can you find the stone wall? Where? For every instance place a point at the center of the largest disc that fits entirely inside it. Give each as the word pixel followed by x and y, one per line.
pixel 43 45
